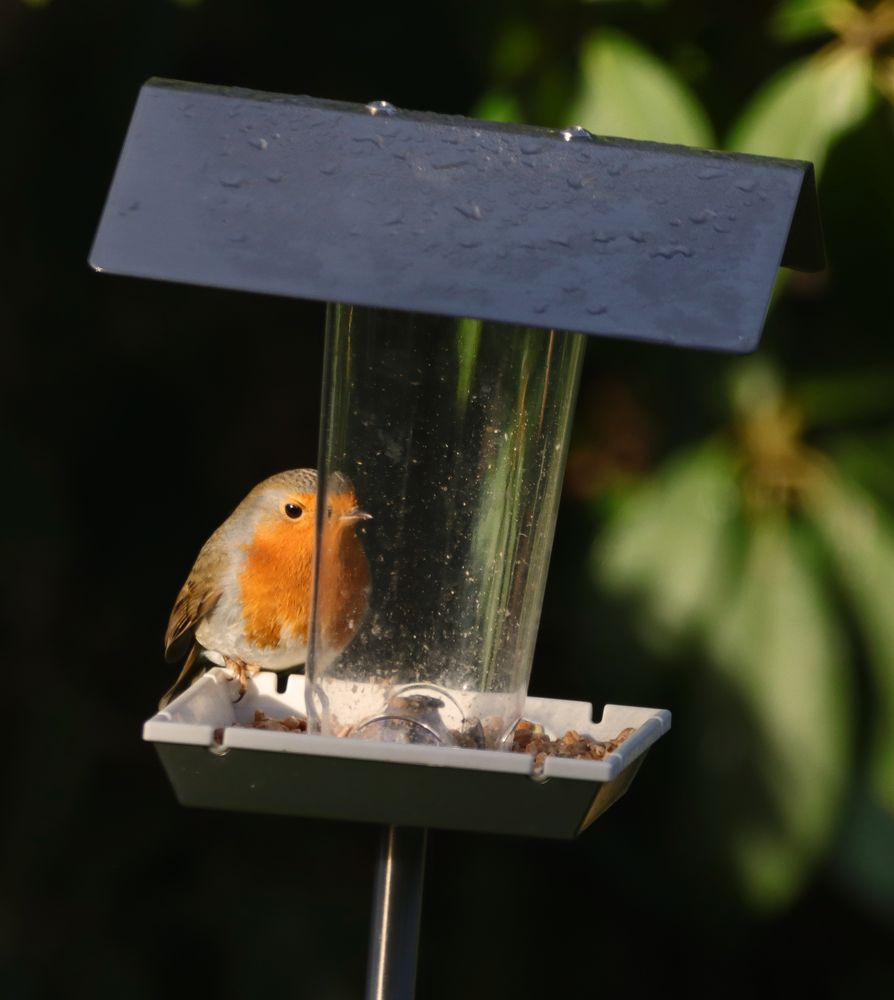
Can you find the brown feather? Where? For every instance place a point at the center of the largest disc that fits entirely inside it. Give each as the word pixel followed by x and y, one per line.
pixel 197 598
pixel 184 678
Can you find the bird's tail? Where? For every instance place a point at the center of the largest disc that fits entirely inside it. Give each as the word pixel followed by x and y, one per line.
pixel 185 677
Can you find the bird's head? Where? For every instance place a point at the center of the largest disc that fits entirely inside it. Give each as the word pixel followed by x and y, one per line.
pixel 286 504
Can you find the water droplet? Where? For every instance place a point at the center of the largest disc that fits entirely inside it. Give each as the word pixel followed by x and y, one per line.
pixel 470 244
pixel 576 133
pixel 472 211
pixel 574 182
pixel 603 237
pixel 746 185
pixel 540 308
pixel 675 222
pixel 530 148
pixel 701 217
pixel 637 235
pixel 570 288
pixel 237 238
pixel 274 176
pixel 709 174
pixel 675 250
pixel 721 227
pixel 258 143
pixel 381 108
pixel 329 169
pixel 615 169
pixel 597 310
pixel 231 178
pixel 376 140
pixel 558 242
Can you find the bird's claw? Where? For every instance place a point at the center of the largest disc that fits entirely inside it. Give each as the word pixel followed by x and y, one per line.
pixel 242 672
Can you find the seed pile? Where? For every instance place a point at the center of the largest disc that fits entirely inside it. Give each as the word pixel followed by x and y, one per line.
pixel 529 737
pixel 290 724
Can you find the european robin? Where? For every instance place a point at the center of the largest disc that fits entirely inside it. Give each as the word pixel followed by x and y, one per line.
pixel 246 603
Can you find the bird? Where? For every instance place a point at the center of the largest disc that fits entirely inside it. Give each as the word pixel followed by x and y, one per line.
pixel 246 602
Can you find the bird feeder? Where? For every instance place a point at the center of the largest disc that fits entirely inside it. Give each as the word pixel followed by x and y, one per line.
pixel 465 263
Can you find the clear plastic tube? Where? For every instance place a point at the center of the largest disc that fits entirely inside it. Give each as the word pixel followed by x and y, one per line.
pixel 451 434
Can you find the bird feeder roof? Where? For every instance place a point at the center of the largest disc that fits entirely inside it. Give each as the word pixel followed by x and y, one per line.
pixel 430 213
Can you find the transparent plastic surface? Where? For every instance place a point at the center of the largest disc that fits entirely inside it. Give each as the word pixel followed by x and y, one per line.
pixel 451 435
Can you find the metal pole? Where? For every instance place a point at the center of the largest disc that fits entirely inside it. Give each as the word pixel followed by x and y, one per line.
pixel 397 903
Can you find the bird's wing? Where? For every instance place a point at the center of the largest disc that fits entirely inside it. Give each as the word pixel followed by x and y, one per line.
pixel 197 598
pixel 185 676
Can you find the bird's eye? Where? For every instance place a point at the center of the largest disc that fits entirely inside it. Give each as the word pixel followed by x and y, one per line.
pixel 293 510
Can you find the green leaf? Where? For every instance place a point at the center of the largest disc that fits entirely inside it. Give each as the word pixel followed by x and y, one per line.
pixel 800 112
pixel 669 542
pixel 778 645
pixel 626 91
pixel 860 536
pixel 744 592
pixel 794 20
pixel 498 106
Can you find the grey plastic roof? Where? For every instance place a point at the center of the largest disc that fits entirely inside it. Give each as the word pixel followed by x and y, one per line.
pixel 321 200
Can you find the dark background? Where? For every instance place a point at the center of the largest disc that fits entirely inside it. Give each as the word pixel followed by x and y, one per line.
pixel 136 415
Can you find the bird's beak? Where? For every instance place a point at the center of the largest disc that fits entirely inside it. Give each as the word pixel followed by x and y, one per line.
pixel 355 514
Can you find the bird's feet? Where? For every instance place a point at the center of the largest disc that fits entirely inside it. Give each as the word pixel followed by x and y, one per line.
pixel 242 672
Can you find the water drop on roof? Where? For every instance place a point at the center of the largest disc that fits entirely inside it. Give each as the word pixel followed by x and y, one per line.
pixel 381 108
pixel 575 133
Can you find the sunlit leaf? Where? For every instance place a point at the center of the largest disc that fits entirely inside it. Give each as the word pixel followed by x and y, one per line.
pixel 626 91
pixel 860 537
pixel 777 644
pixel 803 109
pixel 669 542
pixel 796 19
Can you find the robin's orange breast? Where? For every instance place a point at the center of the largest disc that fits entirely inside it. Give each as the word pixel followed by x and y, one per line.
pixel 275 584
pixel 344 586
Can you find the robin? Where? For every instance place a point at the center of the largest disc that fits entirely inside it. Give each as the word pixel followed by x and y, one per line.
pixel 246 603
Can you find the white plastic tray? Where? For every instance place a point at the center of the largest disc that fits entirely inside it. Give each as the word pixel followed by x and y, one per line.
pixel 257 770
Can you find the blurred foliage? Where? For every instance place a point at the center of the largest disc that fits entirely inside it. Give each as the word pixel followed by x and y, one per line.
pixel 755 552
pixel 655 104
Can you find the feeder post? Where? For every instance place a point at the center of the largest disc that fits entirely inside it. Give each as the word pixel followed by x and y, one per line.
pixel 397 905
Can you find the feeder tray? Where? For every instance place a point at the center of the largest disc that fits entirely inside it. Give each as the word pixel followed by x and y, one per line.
pixel 300 774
